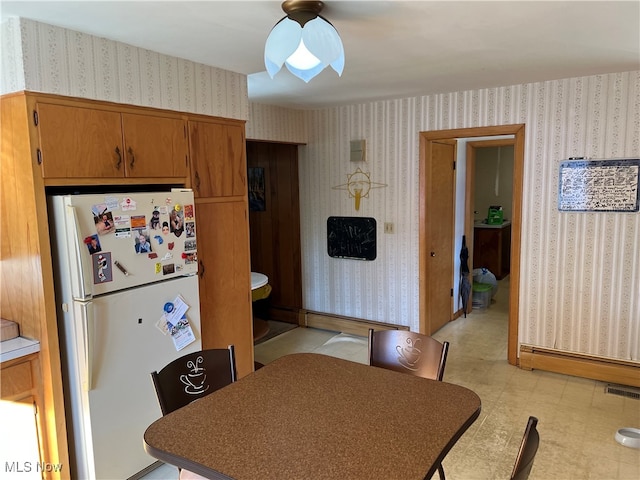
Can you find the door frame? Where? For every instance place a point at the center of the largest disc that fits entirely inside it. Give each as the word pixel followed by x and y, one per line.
pixel 426 138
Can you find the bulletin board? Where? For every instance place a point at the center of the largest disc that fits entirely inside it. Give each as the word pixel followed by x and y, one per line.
pixel 599 186
pixel 351 237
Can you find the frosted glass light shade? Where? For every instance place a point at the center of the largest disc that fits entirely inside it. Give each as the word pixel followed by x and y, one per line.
pixel 305 51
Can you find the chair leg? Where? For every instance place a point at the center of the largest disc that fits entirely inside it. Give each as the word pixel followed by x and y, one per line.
pixel 441 472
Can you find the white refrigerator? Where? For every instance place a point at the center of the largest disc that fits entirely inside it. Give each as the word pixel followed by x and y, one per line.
pixel 127 297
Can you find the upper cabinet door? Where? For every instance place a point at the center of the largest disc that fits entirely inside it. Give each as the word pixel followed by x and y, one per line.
pixel 80 142
pixel 218 165
pixel 155 146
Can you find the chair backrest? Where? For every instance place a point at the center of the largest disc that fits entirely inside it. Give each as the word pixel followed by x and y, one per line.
pixel 408 352
pixel 193 376
pixel 527 452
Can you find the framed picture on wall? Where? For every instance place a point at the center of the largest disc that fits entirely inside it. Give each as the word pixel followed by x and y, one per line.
pixel 599 185
pixel 257 199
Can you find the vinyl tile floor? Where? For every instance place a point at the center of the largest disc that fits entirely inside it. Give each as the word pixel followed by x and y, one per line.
pixel 577 419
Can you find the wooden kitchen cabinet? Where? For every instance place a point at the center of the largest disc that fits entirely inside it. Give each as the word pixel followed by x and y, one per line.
pixel 82 141
pixel 217 152
pixel 218 166
pixel 492 248
pixel 225 279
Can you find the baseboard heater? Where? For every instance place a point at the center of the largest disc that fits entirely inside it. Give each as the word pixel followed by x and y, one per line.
pixel 350 325
pixel 609 370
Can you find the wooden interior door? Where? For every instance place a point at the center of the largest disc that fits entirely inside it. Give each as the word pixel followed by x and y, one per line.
pixel 275 230
pixel 439 223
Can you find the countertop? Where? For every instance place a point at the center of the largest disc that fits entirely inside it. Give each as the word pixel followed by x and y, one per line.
pixel 506 223
pixel 17 347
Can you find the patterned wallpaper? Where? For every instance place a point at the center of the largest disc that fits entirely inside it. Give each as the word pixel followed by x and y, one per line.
pixel 580 287
pixel 45 58
pixel 271 123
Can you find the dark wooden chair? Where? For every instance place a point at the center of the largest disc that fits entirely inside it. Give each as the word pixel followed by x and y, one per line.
pixel 527 452
pixel 409 352
pixel 193 376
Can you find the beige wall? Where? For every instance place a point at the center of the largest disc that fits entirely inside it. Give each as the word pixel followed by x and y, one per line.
pixel 493 180
pixel 45 58
pixel 580 272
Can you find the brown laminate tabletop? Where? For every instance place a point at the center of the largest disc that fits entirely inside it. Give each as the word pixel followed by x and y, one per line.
pixel 310 416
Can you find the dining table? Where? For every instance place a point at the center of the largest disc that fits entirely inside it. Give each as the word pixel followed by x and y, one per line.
pixel 312 416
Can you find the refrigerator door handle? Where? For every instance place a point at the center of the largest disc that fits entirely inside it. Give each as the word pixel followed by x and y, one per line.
pixel 81 269
pixel 86 348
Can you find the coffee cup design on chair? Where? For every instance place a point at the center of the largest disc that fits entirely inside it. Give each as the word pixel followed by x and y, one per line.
pixel 195 380
pixel 409 355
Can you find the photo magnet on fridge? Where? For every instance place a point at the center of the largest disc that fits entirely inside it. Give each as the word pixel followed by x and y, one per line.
pixel 142 244
pixel 102 271
pixel 190 229
pixel 103 219
pixel 93 244
pixel 176 221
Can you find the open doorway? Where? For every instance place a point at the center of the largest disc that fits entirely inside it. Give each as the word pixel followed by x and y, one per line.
pixel 427 165
pixel 274 223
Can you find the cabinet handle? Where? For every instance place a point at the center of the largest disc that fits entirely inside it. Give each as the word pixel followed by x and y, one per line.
pixel 133 158
pixel 197 181
pixel 433 254
pixel 201 272
pixel 119 158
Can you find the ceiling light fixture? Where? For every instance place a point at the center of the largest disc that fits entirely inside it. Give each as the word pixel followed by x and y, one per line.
pixel 304 41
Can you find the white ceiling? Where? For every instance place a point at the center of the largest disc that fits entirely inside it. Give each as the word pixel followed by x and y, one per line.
pixel 393 49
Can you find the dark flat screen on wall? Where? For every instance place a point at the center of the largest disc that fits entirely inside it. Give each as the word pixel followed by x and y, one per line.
pixel 351 237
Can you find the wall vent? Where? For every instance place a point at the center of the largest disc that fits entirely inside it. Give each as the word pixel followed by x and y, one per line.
pixel 623 391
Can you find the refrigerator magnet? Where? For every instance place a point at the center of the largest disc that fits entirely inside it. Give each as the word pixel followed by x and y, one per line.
pixel 188 212
pixel 93 244
pixel 154 223
pixel 142 244
pixel 123 226
pixel 121 268
pixel 176 221
pixel 102 271
pixel 190 257
pixel 168 269
pixel 138 221
pixel 111 202
pixel 190 229
pixel 103 219
pixel 128 204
